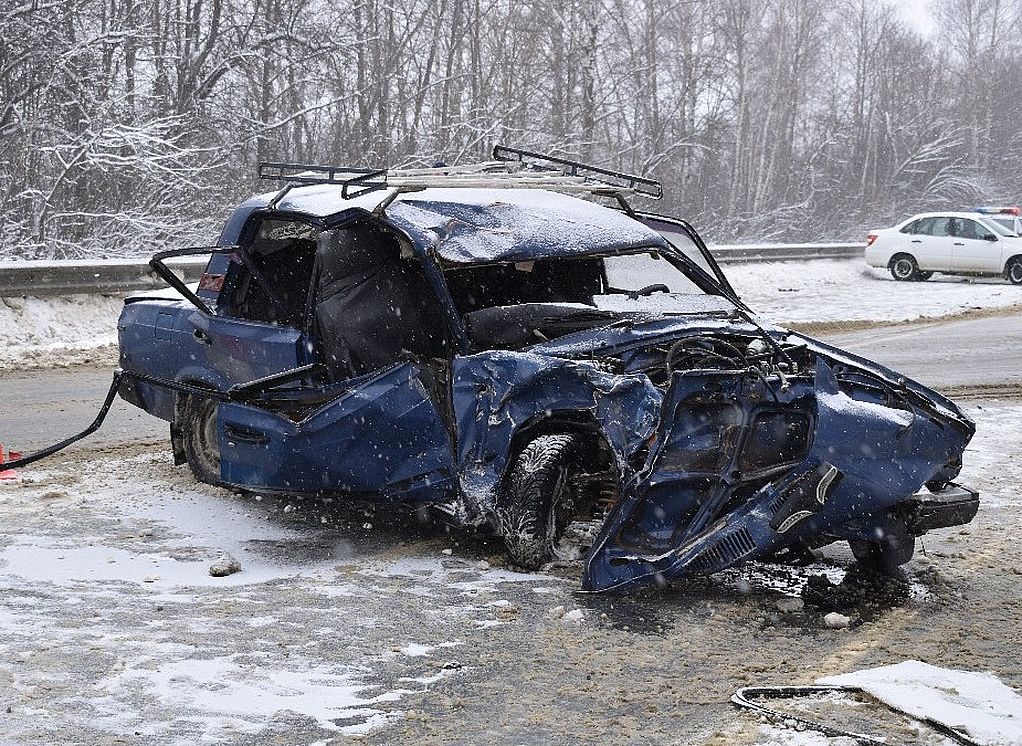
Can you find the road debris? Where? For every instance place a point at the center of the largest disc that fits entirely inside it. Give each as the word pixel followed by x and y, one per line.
pixel 834 620
pixel 226 564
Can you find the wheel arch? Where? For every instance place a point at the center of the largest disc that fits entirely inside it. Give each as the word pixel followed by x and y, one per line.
pixel 898 255
pixel 583 424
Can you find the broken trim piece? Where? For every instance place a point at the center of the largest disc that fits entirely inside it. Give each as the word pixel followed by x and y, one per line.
pixel 744 698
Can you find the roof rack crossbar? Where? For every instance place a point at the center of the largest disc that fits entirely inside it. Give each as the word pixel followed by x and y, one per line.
pixel 634 182
pixel 510 167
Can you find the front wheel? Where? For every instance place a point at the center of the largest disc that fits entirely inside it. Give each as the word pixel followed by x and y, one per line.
pixel 904 268
pixel 885 555
pixel 536 502
pixel 1014 271
pixel 196 418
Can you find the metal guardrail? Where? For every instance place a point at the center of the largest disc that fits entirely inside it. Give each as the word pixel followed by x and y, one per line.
pixel 100 276
pixel 737 253
pixel 40 278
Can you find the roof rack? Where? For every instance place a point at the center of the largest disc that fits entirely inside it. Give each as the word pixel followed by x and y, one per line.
pixel 510 168
pixel 619 180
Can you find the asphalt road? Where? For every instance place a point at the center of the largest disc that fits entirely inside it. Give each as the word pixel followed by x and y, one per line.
pixel 978 358
pixel 951 356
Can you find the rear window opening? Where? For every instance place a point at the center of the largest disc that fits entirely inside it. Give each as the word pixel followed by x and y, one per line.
pixel 274 286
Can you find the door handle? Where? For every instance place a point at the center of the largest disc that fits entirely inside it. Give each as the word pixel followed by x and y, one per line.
pixel 917 240
pixel 959 243
pixel 202 337
pixel 246 436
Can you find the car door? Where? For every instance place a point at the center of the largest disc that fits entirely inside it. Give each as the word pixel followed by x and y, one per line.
pixel 374 421
pixel 380 434
pixel 229 345
pixel 930 244
pixel 976 247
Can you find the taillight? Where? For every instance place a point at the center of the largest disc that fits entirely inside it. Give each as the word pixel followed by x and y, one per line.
pixel 212 283
pixel 870 239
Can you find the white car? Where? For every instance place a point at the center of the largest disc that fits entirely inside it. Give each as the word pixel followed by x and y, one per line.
pixel 957 243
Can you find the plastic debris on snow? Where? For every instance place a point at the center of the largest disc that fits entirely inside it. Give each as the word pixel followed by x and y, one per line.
pixel 974 703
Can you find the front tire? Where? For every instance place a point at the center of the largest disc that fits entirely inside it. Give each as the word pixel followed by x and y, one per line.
pixel 886 555
pixel 1014 271
pixel 536 502
pixel 197 422
pixel 904 268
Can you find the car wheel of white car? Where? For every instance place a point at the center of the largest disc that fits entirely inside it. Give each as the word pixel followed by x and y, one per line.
pixel 197 421
pixel 904 268
pixel 1014 271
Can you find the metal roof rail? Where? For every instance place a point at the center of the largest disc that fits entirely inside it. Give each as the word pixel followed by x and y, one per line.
pixel 510 168
pixel 630 182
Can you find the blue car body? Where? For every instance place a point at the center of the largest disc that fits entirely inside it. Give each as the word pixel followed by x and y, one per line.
pixel 764 439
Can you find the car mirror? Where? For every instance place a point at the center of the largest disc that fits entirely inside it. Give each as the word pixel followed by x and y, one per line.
pixel 989 237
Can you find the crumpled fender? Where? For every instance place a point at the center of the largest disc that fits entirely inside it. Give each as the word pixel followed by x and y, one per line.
pixel 865 458
pixel 497 393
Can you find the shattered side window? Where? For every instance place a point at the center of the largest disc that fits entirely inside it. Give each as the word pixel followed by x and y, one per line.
pixel 775 438
pixel 683 244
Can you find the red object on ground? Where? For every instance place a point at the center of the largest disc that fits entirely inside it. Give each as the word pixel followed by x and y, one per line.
pixel 13 456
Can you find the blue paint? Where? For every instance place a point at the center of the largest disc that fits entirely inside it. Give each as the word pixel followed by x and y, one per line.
pixel 697 493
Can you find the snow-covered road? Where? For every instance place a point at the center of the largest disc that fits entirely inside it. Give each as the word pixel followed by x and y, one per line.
pixel 344 622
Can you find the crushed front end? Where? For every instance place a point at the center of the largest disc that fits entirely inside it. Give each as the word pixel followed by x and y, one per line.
pixel 768 440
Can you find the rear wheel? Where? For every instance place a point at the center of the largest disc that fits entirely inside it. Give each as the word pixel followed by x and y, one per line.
pixel 1014 271
pixel 537 499
pixel 197 422
pixel 904 268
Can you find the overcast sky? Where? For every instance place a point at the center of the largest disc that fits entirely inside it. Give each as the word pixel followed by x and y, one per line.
pixel 918 13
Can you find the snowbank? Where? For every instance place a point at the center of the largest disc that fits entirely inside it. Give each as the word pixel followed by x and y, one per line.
pixel 49 332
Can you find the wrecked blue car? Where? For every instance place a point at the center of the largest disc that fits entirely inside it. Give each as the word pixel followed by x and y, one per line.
pixel 526 360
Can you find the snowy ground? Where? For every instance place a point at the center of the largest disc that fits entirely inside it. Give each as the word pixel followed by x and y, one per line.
pixel 63 331
pixel 848 290
pixel 343 623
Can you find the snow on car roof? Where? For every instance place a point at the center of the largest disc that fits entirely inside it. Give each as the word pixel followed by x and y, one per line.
pixel 478 225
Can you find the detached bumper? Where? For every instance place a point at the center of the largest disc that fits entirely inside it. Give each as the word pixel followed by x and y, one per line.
pixel 955 505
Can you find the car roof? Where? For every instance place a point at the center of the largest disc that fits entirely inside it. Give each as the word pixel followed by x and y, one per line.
pixel 470 225
pixel 948 214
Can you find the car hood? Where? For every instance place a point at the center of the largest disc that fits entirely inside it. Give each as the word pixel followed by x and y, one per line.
pixel 629 334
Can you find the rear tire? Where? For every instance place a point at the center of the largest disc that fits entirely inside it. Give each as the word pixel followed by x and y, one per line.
pixel 904 268
pixel 1014 271
pixel 536 502
pixel 197 422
